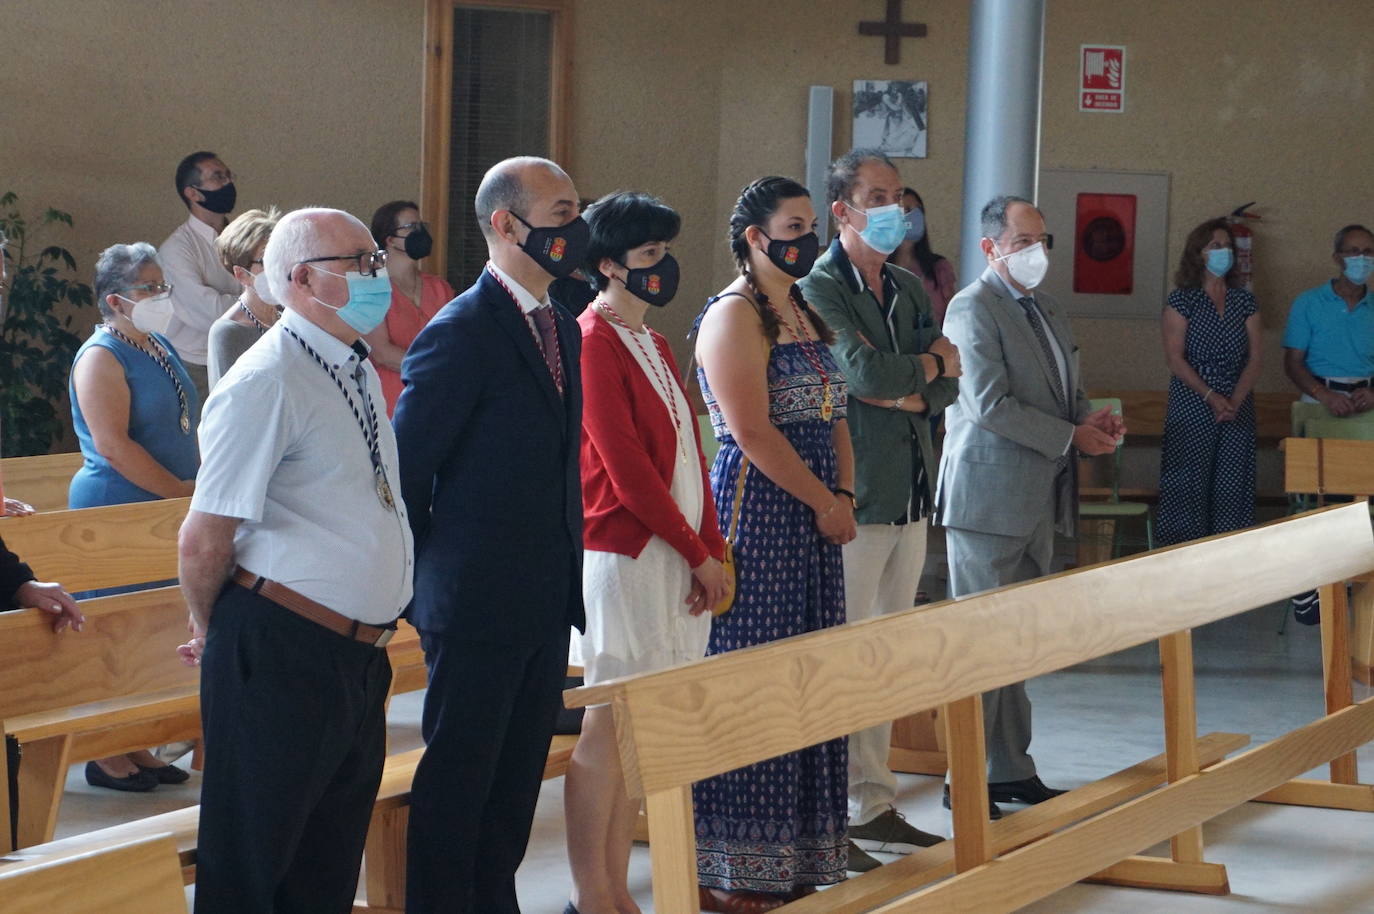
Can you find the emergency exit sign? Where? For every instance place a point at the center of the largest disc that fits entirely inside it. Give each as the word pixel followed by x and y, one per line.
pixel 1102 78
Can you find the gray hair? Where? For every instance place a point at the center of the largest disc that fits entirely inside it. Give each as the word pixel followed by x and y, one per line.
pixel 1348 230
pixel 295 238
pixel 993 219
pixel 118 269
pixel 502 188
pixel 844 171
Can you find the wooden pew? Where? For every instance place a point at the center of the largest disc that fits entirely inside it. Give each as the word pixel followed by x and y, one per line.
pixel 689 722
pixel 40 481
pixel 138 877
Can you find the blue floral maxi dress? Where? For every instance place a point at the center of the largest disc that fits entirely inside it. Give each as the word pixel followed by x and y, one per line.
pixel 1207 468
pixel 781 823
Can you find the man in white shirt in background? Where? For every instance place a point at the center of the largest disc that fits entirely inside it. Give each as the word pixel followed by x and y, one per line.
pixel 202 289
pixel 296 560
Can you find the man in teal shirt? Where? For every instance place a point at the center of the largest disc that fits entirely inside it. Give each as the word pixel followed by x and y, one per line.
pixel 900 372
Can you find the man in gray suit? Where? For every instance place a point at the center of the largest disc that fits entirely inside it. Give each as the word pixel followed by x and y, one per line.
pixel 1007 479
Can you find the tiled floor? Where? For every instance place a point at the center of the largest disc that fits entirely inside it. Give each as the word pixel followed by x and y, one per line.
pixel 1250 680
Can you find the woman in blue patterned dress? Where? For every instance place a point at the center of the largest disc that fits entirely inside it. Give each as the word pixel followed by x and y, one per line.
pixel 1212 344
pixel 774 831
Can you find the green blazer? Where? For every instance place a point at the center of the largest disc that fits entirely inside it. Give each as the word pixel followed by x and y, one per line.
pixel 884 473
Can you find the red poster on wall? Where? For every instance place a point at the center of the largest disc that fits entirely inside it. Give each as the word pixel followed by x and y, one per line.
pixel 1102 78
pixel 1104 244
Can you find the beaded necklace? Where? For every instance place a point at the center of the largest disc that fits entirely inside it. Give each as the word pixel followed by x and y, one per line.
pixel 163 360
pixel 557 370
pixel 661 373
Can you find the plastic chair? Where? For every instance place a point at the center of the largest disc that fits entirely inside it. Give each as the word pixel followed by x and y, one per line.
pixel 1114 508
pixel 709 445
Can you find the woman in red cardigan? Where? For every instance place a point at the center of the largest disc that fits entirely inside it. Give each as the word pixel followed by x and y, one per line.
pixel 651 569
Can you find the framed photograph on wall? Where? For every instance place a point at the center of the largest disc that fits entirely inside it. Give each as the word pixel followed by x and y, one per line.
pixel 890 114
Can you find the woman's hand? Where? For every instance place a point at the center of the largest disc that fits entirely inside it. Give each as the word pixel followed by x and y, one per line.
pixel 836 522
pixel 16 508
pixel 1220 406
pixel 710 585
pixel 54 600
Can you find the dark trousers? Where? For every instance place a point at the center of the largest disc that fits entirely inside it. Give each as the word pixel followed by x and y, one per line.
pixel 488 718
pixel 295 736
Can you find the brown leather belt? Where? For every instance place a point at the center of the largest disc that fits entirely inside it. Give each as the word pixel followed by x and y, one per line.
pixel 301 605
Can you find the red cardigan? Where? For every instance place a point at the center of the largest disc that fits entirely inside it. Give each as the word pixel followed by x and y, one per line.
pixel 629 450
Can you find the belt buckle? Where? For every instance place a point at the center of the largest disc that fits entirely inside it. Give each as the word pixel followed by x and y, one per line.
pixel 384 638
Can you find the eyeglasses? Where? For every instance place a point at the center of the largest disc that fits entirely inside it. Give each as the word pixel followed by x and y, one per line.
pixel 152 288
pixel 218 178
pixel 367 262
pixel 410 225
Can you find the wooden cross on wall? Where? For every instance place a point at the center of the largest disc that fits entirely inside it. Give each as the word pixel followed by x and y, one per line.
pixel 893 30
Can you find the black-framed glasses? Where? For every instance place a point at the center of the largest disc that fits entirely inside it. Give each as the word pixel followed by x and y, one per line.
pixel 152 288
pixel 367 262
pixel 418 224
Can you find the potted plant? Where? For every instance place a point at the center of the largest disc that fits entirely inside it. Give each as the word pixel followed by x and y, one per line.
pixel 37 299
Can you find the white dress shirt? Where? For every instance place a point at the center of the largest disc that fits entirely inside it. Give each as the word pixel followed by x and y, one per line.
pixel 1058 350
pixel 281 449
pixel 202 289
pixel 524 299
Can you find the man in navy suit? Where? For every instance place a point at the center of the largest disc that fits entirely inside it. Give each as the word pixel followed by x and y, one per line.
pixel 488 429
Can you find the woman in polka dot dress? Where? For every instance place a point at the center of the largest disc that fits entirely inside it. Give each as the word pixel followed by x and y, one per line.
pixel 1212 345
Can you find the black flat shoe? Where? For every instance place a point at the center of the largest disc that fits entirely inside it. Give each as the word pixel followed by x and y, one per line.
pixel 167 774
pixel 994 811
pixel 141 782
pixel 570 909
pixel 1032 790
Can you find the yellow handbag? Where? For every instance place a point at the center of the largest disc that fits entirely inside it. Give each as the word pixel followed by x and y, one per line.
pixel 728 561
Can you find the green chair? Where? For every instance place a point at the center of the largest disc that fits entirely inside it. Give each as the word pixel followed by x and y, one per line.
pixel 709 445
pixel 1114 508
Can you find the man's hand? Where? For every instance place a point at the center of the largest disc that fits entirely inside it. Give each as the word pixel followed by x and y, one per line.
pixel 1093 441
pixel 190 651
pixel 1362 398
pixel 1106 421
pixel 16 508
pixel 54 600
pixel 710 585
pixel 1336 404
pixel 950 353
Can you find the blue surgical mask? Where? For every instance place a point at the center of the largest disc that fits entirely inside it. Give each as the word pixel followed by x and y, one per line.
pixel 369 299
pixel 1219 261
pixel 885 229
pixel 1358 268
pixel 915 225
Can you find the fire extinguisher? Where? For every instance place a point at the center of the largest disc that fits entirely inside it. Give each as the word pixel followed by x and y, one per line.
pixel 1245 243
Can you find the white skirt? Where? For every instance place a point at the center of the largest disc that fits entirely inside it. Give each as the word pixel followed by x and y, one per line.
pixel 637 620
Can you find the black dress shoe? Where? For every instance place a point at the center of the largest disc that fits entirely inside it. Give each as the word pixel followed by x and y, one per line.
pixel 1031 790
pixel 137 783
pixel 994 811
pixel 167 774
pixel 570 909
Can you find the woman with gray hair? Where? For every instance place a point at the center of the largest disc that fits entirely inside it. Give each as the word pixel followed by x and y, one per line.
pixel 135 412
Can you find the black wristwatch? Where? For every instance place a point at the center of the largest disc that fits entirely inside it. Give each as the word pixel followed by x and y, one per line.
pixel 939 364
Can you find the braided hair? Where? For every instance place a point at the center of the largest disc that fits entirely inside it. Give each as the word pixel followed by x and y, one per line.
pixel 757 203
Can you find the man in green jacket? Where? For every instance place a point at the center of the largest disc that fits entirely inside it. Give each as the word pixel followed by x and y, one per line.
pixel 900 371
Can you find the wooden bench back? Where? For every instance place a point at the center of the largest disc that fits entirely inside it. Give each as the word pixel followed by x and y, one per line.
pixel 140 877
pixel 693 721
pixel 1328 466
pixel 128 647
pixel 40 481
pixel 93 548
pixel 1144 411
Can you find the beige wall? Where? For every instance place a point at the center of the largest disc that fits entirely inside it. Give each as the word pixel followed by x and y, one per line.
pixel 317 101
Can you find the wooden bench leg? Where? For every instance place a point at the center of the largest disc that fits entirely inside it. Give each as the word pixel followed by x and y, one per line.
pixel 386 859
pixel 6 839
pixel 968 782
pixel 918 745
pixel 42 778
pixel 198 755
pixel 673 851
pixel 1362 647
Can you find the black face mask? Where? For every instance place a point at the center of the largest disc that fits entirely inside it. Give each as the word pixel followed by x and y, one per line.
pixel 558 249
pixel 418 243
pixel 219 201
pixel 656 284
pixel 795 257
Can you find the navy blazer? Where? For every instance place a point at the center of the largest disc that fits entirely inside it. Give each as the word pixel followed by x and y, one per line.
pixel 489 472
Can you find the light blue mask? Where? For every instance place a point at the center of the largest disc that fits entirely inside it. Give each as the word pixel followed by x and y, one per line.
pixel 369 299
pixel 1220 261
pixel 1358 268
pixel 915 225
pixel 885 229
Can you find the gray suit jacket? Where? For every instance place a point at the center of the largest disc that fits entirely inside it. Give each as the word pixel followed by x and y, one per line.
pixel 1006 431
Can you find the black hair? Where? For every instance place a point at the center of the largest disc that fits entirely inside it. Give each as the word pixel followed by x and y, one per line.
pixel 924 255
pixel 993 218
pixel 756 204
pixel 844 171
pixel 384 219
pixel 1348 230
pixel 188 173
pixel 621 222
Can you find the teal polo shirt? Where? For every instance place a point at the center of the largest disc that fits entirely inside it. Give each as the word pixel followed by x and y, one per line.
pixel 1339 341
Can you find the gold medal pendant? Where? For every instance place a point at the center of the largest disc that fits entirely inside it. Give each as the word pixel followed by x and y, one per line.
pixel 827 405
pixel 185 423
pixel 384 492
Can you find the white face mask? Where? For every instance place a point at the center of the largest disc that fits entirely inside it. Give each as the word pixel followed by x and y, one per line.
pixel 152 315
pixel 1027 266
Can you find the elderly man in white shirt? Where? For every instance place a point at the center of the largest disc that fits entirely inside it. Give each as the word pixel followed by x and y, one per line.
pixel 296 560
pixel 202 289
